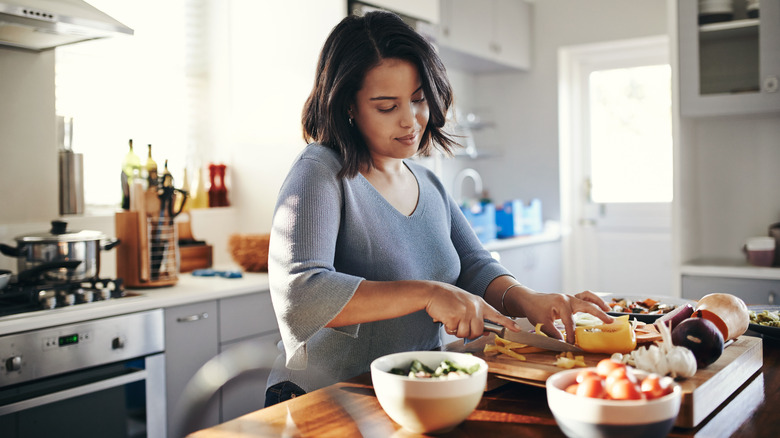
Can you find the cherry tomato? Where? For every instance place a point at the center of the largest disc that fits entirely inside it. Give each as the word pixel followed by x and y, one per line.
pixel 624 389
pixel 651 387
pixel 605 366
pixel 617 374
pixel 572 389
pixel 592 387
pixel 582 375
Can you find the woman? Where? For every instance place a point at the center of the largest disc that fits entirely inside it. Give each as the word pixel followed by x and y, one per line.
pixel 369 254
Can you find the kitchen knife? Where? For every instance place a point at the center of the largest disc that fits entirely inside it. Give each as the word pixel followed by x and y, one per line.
pixel 530 338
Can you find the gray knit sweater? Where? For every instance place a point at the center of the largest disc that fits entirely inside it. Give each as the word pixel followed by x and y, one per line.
pixel 328 235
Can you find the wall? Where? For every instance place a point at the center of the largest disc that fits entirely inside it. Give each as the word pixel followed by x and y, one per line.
pixel 263 59
pixel 28 146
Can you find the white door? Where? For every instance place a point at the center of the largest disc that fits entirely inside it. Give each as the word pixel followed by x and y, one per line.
pixel 617 170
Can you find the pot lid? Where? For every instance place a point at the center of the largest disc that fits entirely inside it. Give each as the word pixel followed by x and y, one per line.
pixel 59 233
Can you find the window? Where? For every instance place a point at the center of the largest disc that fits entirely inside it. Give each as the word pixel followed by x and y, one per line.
pixel 149 87
pixel 631 134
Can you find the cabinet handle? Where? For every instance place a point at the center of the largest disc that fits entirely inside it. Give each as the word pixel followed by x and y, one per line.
pixel 770 84
pixel 192 318
pixel 771 298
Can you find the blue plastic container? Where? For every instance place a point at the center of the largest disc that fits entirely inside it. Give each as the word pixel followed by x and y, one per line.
pixel 482 218
pixel 513 218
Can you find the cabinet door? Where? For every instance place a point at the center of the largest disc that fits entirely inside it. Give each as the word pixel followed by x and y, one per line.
pixel 536 266
pixel 485 36
pixel 751 290
pixel 730 67
pixel 190 341
pixel 246 316
pixel 466 25
pixel 246 393
pixel 512 33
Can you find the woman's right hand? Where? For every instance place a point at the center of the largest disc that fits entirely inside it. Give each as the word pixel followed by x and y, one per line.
pixel 461 312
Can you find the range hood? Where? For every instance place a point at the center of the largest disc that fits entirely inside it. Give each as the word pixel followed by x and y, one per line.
pixel 45 24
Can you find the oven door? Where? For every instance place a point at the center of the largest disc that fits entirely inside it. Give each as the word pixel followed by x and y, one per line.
pixel 124 399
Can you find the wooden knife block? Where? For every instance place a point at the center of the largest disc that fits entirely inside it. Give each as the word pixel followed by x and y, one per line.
pixel 148 255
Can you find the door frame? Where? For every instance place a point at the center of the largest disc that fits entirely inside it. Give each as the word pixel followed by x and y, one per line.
pixel 573 61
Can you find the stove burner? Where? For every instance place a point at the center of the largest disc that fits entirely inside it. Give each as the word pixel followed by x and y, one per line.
pixel 20 297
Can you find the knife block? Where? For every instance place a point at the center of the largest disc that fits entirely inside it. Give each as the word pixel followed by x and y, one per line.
pixel 149 253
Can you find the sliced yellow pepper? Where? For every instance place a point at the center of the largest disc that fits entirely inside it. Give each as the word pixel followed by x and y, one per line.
pixel 618 337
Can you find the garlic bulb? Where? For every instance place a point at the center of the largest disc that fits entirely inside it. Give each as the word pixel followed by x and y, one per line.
pixel 664 359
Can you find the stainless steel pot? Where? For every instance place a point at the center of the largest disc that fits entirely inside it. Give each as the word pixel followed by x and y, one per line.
pixel 61 245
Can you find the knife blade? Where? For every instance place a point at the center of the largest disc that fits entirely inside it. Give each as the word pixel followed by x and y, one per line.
pixel 532 339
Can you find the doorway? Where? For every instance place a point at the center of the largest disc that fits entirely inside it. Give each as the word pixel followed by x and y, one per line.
pixel 616 167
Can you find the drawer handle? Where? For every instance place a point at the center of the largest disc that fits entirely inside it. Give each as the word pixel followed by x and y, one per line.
pixel 192 318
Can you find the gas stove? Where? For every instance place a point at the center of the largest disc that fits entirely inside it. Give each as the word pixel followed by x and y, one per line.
pixel 21 297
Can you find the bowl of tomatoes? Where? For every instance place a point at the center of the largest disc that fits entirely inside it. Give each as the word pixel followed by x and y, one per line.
pixel 613 400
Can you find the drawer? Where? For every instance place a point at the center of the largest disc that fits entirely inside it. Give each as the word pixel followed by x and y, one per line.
pixel 751 290
pixel 245 316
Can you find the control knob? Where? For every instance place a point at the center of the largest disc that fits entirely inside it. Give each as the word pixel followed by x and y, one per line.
pixel 13 363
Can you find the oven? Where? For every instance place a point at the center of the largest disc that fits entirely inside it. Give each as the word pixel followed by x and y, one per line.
pixel 98 378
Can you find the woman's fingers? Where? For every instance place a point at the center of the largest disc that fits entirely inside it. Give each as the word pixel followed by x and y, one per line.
pixel 589 302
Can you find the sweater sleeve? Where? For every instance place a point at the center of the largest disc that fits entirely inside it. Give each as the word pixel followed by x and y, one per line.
pixel 306 290
pixel 478 267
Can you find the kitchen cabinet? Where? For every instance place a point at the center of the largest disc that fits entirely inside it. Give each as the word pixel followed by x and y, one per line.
pixel 485 36
pixel 536 266
pixel 191 339
pixel 247 321
pixel 427 10
pixel 196 333
pixel 751 290
pixel 730 67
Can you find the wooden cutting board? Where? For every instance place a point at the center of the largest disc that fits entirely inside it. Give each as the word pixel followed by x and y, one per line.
pixel 702 393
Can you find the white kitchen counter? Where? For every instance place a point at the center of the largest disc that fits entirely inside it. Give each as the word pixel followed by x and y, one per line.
pixel 189 289
pixel 728 267
pixel 550 233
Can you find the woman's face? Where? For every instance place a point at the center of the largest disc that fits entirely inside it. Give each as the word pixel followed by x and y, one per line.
pixel 390 110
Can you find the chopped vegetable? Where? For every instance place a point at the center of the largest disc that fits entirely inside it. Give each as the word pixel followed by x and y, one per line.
pixel 769 318
pixel 647 306
pixel 447 369
pixel 618 336
pixel 512 349
pixel 568 361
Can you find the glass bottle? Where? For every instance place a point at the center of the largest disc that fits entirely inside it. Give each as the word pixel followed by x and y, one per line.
pixel 151 169
pixel 131 169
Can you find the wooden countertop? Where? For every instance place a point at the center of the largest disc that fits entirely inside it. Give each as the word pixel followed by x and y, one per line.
pixel 350 409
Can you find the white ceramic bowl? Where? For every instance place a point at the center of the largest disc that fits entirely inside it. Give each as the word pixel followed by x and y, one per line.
pixel 585 417
pixel 428 405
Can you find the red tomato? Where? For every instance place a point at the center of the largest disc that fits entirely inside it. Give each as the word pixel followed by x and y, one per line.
pixel 624 389
pixel 617 374
pixel 592 387
pixel 651 387
pixel 582 375
pixel 605 366
pixel 572 389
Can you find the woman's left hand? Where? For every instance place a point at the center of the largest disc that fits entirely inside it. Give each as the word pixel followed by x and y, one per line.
pixel 545 308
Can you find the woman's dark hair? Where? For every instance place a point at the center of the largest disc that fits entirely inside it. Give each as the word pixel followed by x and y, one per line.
pixel 355 46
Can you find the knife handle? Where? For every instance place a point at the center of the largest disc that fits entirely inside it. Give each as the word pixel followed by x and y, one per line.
pixel 494 328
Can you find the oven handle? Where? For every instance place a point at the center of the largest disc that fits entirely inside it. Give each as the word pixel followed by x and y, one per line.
pixel 88 388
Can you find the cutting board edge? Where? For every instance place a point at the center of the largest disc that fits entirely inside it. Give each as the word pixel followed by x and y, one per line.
pixel 697 405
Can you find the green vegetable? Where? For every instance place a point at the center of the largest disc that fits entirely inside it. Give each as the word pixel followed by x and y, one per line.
pixel 418 369
pixel 766 318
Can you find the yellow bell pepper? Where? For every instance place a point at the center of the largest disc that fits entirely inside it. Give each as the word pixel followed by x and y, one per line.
pixel 618 337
